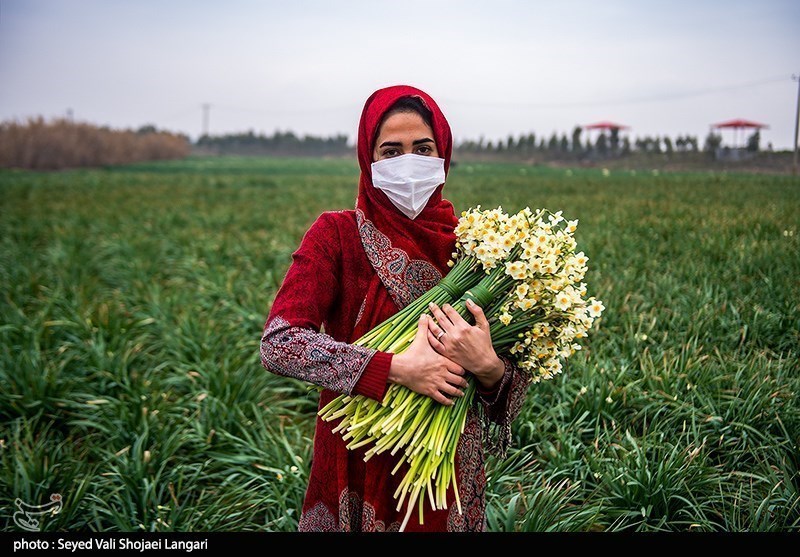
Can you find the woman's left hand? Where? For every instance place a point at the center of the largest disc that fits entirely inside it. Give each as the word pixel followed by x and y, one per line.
pixel 470 346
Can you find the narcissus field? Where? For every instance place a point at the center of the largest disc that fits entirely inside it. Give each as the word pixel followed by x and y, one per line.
pixel 132 301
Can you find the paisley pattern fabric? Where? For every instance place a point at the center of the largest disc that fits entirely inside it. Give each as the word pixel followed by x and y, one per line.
pixel 311 356
pixel 354 515
pixel 406 279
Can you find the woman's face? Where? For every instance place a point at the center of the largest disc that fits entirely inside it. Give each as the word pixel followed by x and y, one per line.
pixel 403 133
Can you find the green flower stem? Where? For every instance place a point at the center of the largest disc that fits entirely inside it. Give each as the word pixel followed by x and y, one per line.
pixel 458 280
pixel 424 465
pixel 428 441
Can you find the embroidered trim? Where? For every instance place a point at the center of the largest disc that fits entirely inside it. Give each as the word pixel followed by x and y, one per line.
pixel 311 356
pixel 406 279
pixel 355 515
pixel 502 408
pixel 317 519
pixel 471 480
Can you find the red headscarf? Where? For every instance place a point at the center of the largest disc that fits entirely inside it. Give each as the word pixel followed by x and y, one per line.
pixel 415 245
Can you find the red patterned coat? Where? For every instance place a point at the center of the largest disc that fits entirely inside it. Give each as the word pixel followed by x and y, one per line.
pixel 320 309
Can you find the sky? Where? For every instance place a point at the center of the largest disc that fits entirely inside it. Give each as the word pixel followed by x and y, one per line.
pixel 496 68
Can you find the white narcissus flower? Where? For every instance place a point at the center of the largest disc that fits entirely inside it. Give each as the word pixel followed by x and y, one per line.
pixel 562 301
pixel 556 217
pixel 595 308
pixel 547 272
pixel 516 269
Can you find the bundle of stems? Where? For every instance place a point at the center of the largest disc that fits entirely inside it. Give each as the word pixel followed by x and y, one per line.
pixel 534 312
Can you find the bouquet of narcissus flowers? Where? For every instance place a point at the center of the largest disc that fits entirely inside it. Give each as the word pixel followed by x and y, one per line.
pixel 523 270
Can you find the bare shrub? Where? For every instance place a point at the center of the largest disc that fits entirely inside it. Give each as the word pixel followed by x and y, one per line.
pixel 41 145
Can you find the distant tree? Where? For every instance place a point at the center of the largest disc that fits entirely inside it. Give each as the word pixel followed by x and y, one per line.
pixel 576 139
pixel 542 144
pixel 680 144
pixel 564 147
pixel 510 145
pixel 552 145
pixel 522 144
pixel 626 146
pixel 713 141
pixel 614 139
pixel 656 144
pixel 668 145
pixel 278 144
pixel 753 141
pixel 602 144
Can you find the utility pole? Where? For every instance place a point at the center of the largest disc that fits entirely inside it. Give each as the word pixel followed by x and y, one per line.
pixel 796 124
pixel 206 111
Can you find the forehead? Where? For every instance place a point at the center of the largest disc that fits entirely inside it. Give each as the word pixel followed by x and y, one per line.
pixel 404 123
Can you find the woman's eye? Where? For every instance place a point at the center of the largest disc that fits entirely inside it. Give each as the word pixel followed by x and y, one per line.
pixel 391 153
pixel 424 150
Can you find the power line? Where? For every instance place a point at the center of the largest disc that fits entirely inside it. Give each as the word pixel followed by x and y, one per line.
pixel 633 100
pixel 512 106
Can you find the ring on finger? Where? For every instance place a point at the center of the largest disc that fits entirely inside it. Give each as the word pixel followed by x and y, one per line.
pixel 440 335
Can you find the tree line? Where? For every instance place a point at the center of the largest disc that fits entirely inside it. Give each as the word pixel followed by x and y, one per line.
pixel 604 145
pixel 555 146
pixel 62 143
pixel 280 143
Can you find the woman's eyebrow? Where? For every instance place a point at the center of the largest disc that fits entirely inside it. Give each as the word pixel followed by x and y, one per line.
pixel 391 144
pixel 399 144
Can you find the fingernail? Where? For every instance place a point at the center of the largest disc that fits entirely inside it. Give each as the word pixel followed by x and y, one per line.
pixel 470 302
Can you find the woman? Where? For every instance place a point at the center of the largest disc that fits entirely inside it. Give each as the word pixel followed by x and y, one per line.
pixel 353 270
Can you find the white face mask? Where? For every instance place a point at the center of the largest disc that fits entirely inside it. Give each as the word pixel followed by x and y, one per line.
pixel 408 180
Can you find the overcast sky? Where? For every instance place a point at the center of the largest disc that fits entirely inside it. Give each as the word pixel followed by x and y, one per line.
pixel 496 67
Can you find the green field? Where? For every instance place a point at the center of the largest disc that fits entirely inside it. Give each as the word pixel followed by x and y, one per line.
pixel 132 302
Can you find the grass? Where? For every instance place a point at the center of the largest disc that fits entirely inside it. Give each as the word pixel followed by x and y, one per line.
pixel 132 301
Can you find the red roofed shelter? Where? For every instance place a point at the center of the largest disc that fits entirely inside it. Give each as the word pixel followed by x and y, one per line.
pixel 605 125
pixel 738 124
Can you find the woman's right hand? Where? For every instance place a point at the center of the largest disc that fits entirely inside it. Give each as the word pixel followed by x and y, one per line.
pixel 425 371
